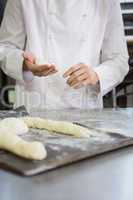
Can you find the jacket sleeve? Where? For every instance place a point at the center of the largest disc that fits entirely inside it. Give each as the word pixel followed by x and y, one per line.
pixel 114 55
pixel 12 40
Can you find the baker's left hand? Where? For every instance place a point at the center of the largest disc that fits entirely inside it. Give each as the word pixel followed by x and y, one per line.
pixel 81 75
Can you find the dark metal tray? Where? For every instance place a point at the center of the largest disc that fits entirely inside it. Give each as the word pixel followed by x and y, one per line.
pixel 62 150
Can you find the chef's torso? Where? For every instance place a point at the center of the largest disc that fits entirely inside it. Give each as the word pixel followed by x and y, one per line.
pixel 65 33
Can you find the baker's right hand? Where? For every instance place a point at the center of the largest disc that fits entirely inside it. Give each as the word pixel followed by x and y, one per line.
pixel 38 70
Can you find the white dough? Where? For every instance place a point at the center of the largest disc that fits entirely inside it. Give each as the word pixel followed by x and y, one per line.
pixel 16 145
pixel 15 125
pixel 10 128
pixel 63 127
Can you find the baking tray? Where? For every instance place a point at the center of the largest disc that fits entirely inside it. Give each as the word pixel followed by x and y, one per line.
pixel 62 150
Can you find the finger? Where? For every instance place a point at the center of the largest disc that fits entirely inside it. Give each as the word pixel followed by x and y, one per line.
pixel 78 79
pixel 50 72
pixel 79 72
pixel 54 68
pixel 46 73
pixel 53 65
pixel 77 86
pixel 75 75
pixel 40 68
pixel 79 76
pixel 43 68
pixel 71 70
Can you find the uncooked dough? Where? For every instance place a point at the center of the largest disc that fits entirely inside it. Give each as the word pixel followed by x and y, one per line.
pixel 63 127
pixel 16 145
pixel 15 125
pixel 10 128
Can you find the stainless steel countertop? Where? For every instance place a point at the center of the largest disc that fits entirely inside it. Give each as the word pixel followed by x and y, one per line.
pixel 106 177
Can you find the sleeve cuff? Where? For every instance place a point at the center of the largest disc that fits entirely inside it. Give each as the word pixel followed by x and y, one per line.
pixel 106 83
pixel 14 65
pixel 28 76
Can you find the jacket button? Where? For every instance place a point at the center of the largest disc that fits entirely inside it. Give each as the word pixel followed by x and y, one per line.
pixel 84 15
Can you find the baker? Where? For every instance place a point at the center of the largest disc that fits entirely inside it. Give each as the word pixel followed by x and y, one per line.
pixel 63 54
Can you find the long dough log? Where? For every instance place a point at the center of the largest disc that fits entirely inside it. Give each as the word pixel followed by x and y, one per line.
pixel 10 128
pixel 16 145
pixel 63 127
pixel 9 140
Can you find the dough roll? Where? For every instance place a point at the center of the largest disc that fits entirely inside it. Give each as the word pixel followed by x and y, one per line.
pixel 16 145
pixel 62 127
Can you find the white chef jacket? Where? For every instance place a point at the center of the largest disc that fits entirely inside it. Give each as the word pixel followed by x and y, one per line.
pixel 65 33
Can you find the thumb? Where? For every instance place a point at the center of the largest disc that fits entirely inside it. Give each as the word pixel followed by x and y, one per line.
pixel 29 57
